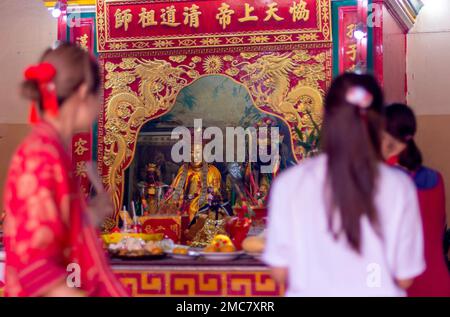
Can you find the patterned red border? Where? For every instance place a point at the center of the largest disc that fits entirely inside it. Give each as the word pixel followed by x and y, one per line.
pixel 200 283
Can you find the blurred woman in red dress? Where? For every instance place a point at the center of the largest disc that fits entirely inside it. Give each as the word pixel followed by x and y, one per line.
pixel 400 150
pixel 52 248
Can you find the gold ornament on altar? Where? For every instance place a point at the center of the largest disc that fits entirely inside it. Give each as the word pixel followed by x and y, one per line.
pixel 209 222
pixel 192 185
pixel 149 189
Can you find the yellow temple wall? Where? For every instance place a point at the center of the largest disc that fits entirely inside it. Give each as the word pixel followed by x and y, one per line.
pixel 27 28
pixel 428 76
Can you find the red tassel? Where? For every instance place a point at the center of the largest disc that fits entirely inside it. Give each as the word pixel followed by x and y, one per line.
pixel 42 73
pixel 34 115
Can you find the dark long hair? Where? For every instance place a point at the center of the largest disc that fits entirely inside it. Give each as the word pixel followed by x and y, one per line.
pixel 401 124
pixel 351 141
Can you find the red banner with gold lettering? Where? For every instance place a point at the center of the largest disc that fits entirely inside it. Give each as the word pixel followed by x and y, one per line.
pixel 81 154
pixel 82 33
pixel 150 24
pixel 348 45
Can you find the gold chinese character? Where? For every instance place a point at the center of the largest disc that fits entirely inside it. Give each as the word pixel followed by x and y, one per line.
pixel 147 18
pixel 83 42
pixel 299 11
pixel 80 147
pixel 248 17
pixel 272 13
pixel 174 228
pixel 352 52
pixel 123 18
pixel 80 170
pixel 168 16
pixel 351 30
pixel 224 15
pixel 191 16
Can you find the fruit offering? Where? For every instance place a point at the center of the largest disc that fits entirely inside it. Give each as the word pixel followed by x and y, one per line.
pixel 254 244
pixel 135 247
pixel 220 243
pixel 180 250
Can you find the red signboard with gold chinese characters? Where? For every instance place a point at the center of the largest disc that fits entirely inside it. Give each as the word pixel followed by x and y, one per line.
pixel 348 45
pixel 171 227
pixel 82 33
pixel 150 24
pixel 81 154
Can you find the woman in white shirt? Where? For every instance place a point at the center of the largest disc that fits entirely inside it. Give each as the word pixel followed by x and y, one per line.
pixel 343 223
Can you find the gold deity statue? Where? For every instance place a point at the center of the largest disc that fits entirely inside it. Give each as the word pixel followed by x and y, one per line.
pixel 192 185
pixel 152 184
pixel 211 220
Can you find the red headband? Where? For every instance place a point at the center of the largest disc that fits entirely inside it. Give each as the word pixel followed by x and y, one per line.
pixel 43 74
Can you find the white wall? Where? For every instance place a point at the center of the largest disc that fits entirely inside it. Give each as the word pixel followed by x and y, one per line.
pixel 428 75
pixel 26 30
pixel 394 59
pixel 428 59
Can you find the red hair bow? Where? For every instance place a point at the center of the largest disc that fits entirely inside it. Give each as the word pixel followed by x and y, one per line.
pixel 43 74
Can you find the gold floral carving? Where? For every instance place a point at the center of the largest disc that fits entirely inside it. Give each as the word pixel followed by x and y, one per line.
pixel 213 64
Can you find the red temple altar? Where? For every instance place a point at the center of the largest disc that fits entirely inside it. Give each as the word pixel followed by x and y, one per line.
pixel 281 54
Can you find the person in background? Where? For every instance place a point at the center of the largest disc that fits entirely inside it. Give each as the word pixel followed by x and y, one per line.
pixel 52 248
pixel 400 149
pixel 343 223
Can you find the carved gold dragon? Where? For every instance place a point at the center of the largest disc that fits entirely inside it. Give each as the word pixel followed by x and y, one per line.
pixel 269 80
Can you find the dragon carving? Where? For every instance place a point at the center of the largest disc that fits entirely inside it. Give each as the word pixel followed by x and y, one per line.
pixel 269 79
